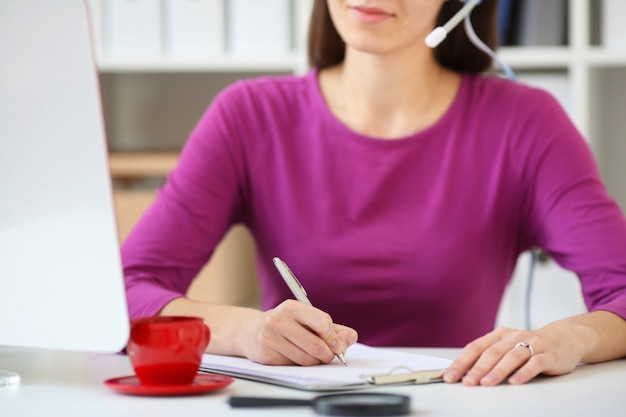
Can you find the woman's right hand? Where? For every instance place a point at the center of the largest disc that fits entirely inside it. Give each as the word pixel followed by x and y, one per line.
pixel 293 333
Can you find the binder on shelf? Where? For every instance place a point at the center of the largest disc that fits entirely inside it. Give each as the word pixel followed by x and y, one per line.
pixel 368 367
pixel 193 28
pixel 541 23
pixel 258 27
pixel 505 16
pixel 612 25
pixel 132 28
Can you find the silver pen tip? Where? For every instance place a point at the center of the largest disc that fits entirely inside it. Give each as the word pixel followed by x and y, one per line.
pixel 342 358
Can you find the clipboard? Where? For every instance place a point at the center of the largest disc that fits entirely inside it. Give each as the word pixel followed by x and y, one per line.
pixel 368 367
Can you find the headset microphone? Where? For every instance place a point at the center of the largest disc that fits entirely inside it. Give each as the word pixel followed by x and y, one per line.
pixel 437 36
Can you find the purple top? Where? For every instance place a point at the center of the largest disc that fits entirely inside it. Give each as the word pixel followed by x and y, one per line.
pixel 409 241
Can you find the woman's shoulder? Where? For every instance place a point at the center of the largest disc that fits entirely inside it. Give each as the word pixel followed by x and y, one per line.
pixel 250 109
pixel 285 90
pixel 500 103
pixel 503 93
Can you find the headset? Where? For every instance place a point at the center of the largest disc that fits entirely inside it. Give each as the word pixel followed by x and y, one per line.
pixel 440 33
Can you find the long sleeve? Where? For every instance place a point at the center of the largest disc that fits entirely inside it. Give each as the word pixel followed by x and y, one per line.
pixel 192 212
pixel 569 213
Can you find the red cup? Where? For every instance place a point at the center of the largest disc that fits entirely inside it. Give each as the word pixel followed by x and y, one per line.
pixel 167 350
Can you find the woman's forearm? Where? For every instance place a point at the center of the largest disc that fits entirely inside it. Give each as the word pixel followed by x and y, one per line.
pixel 224 321
pixel 608 334
pixel 291 333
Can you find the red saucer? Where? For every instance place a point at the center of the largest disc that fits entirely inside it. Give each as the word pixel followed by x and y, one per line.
pixel 203 383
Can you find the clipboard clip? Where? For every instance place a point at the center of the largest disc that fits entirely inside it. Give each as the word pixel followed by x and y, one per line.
pixel 404 375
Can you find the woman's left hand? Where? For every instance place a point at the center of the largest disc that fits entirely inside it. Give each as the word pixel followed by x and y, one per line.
pixel 518 356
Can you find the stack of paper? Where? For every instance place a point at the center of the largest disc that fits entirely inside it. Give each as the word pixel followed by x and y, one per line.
pixel 364 362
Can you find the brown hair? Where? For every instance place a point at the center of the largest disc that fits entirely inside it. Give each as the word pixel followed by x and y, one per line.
pixel 456 52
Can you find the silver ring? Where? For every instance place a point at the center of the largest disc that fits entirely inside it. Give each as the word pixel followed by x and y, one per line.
pixel 526 345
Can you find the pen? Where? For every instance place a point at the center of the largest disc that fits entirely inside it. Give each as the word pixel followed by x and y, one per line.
pixel 298 290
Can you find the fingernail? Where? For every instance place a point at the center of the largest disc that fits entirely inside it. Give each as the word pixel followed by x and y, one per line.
pixel 488 380
pixel 450 376
pixel 470 380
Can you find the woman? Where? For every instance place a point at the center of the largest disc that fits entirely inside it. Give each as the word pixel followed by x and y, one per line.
pixel 401 187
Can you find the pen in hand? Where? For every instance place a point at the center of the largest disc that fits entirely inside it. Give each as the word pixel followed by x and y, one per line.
pixel 298 291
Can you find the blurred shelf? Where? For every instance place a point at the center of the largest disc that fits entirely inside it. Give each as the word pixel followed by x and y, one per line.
pixel 538 57
pixel 287 63
pixel 142 164
pixel 603 57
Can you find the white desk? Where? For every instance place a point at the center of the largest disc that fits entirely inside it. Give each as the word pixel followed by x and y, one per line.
pixel 70 384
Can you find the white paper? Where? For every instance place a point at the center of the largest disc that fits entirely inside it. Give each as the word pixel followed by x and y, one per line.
pixel 363 361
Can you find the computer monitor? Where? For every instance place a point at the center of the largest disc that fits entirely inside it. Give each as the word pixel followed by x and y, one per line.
pixel 61 284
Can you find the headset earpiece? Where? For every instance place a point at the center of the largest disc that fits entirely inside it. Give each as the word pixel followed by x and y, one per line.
pixel 437 36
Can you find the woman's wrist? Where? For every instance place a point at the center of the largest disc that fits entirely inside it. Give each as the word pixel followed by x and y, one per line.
pixel 228 324
pixel 600 335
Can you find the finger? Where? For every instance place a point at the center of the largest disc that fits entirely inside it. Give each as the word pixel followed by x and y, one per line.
pixel 285 353
pixel 319 322
pixel 514 359
pixel 469 356
pixel 348 335
pixel 531 369
pixel 311 330
pixel 327 331
pixel 311 345
pixel 335 343
pixel 283 342
pixel 485 363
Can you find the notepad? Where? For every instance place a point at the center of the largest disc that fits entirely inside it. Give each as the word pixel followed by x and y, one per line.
pixel 367 367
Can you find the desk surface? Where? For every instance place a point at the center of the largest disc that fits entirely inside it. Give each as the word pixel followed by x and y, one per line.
pixel 71 384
